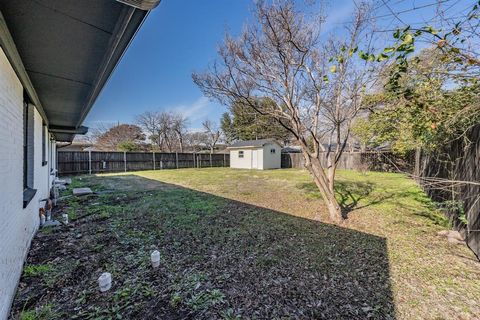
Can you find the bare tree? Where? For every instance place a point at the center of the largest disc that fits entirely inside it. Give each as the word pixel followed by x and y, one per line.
pixel 165 129
pixel 212 134
pixel 317 88
pixel 122 137
pixel 195 141
pixel 179 126
pixel 150 123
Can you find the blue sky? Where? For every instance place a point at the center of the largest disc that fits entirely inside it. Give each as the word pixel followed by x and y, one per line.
pixel 181 36
pixel 178 37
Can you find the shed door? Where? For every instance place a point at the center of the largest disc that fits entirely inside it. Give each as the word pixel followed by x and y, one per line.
pixel 254 159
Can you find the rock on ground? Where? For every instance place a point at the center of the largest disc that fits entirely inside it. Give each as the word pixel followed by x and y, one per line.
pixel 81 191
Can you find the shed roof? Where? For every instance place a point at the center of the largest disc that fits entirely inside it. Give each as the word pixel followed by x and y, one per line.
pixel 252 143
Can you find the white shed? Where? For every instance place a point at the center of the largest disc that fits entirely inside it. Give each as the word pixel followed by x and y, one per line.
pixel 255 154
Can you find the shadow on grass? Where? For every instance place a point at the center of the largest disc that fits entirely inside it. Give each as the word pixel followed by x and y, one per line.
pixel 220 259
pixel 349 194
pixel 354 195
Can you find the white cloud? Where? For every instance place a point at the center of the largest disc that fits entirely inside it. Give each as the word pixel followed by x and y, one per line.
pixel 198 111
pixel 195 111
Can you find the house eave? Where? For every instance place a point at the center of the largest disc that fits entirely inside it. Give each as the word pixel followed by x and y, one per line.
pixel 254 147
pixel 141 4
pixel 127 29
pixel 65 52
pixel 10 50
pixel 245 147
pixel 66 134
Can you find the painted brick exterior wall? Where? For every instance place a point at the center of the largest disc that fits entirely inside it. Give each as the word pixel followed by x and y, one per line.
pixel 40 173
pixel 17 225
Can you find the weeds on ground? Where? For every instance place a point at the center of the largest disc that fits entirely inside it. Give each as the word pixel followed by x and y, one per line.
pixel 219 255
pixel 31 270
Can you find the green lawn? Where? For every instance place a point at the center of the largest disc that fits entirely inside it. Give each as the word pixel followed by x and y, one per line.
pixel 249 244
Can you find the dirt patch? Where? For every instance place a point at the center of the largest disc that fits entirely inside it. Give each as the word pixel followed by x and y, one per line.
pixel 254 254
pixel 221 259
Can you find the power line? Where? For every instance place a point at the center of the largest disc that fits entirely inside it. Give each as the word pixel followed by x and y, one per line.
pixel 412 9
pixel 396 13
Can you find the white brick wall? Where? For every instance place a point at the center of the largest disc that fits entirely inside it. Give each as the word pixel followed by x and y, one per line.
pixel 17 225
pixel 40 173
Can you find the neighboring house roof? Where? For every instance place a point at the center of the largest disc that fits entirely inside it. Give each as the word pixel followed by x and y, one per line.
pixel 63 52
pixel 348 146
pixel 292 149
pixel 252 143
pixel 384 147
pixel 75 145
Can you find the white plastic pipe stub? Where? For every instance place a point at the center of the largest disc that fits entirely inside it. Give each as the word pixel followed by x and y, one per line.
pixel 105 281
pixel 155 259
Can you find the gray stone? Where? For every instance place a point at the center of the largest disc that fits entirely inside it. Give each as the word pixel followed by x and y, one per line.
pixel 81 191
pixel 60 181
pixel 454 241
pixel 451 234
pixel 455 235
pixel 51 223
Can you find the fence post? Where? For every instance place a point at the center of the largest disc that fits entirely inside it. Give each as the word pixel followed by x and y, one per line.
pixel 211 164
pixel 224 162
pixel 153 154
pixel 89 162
pixel 125 160
pixel 193 159
pixel 176 159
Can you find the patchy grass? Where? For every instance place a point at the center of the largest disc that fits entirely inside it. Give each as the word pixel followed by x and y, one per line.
pixel 36 270
pixel 43 312
pixel 241 244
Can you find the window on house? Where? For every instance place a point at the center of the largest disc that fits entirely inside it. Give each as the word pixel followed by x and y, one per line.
pixel 44 144
pixel 272 151
pixel 240 154
pixel 28 191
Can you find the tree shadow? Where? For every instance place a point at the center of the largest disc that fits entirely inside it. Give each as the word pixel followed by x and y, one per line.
pixel 220 259
pixel 349 194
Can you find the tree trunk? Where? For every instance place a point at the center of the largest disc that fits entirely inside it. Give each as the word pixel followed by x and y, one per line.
pixel 325 187
pixel 331 178
pixel 418 154
pixel 181 144
pixel 331 170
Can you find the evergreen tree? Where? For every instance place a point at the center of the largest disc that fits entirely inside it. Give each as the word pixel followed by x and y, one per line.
pixel 245 124
pixel 226 125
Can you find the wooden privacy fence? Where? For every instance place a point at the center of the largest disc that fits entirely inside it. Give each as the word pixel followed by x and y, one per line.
pixel 451 175
pixel 372 161
pixel 81 162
